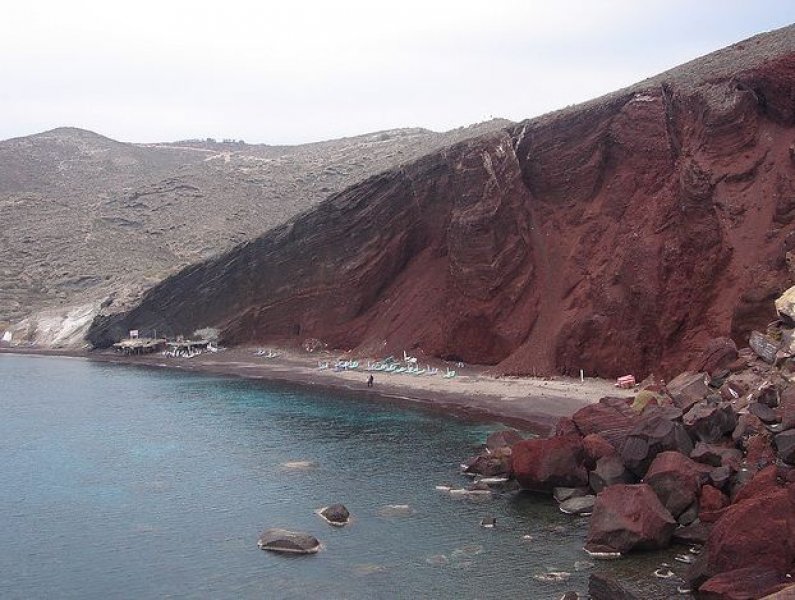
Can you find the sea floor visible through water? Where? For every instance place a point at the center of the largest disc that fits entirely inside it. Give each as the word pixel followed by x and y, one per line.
pixel 122 482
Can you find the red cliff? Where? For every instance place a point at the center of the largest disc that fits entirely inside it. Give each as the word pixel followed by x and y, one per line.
pixel 616 236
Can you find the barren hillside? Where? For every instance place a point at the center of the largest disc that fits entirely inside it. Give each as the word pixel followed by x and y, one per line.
pixel 85 217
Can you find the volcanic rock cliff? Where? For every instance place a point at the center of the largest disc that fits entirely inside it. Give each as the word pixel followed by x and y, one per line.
pixel 615 236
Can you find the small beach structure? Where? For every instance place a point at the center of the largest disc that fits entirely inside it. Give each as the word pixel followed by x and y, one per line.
pixel 139 345
pixel 186 348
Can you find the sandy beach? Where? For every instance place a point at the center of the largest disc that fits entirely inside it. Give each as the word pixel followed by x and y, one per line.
pixel 532 404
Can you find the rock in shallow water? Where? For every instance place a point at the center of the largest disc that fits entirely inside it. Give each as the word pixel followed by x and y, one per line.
pixel 603 587
pixel 582 505
pixel 627 517
pixel 336 515
pixel 291 542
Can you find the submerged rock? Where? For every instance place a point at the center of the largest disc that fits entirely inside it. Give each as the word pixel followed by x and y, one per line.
pixel 488 522
pixel 396 510
pixel 290 542
pixel 299 465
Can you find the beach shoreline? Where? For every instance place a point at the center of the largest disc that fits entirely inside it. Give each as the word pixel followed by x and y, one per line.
pixel 526 403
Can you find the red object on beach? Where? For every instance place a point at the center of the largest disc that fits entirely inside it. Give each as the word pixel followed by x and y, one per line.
pixel 625 382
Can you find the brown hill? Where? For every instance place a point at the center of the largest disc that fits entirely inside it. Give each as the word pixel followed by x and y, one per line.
pixel 616 236
pixel 85 217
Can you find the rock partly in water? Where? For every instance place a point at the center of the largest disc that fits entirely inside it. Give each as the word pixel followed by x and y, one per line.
pixel 505 438
pixel 582 505
pixel 743 584
pixel 396 510
pixel 541 465
pixel 489 464
pixel 603 587
pixel 754 533
pixel 695 533
pixel 629 517
pixel 290 542
pixel 336 514
pixel 561 494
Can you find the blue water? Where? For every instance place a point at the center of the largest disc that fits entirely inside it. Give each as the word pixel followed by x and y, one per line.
pixel 124 482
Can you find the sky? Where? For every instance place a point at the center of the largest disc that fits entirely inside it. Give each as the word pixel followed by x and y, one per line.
pixel 296 71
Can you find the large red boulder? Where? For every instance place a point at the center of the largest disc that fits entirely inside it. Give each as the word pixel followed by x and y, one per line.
pixel 629 517
pixel 676 479
pixel 611 418
pixel 758 532
pixel 540 465
pixel 742 584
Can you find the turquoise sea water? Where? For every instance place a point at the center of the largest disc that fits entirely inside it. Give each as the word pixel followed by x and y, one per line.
pixel 124 482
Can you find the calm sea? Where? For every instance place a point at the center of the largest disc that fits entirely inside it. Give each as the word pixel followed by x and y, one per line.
pixel 124 482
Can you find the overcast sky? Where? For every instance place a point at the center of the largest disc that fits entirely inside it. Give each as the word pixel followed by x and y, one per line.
pixel 294 71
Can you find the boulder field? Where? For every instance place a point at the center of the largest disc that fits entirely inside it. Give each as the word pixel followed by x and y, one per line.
pixel 707 459
pixel 617 236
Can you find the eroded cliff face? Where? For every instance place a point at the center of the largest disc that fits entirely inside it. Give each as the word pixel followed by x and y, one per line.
pixel 616 237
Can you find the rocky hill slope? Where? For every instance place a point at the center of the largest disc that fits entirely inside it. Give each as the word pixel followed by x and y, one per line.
pixel 85 217
pixel 615 236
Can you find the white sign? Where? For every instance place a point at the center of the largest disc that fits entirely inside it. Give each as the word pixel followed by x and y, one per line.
pixel 133 334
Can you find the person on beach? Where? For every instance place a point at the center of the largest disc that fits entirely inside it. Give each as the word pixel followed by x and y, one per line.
pixel 370 381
